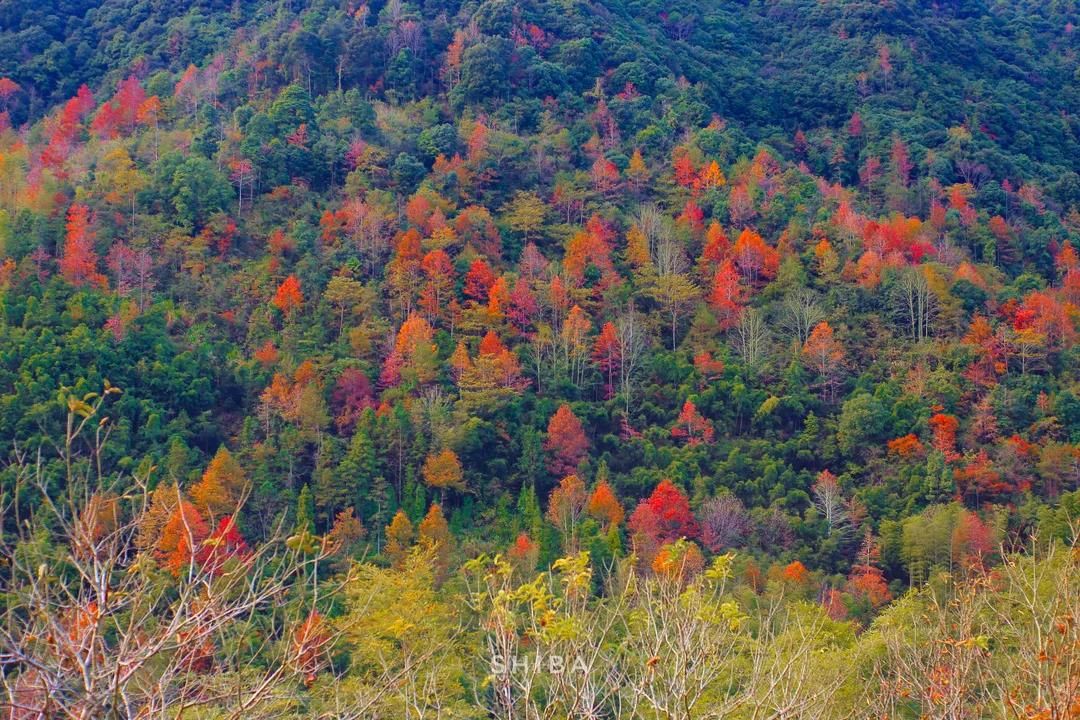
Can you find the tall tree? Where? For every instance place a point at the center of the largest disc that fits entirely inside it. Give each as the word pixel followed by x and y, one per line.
pixel 566 442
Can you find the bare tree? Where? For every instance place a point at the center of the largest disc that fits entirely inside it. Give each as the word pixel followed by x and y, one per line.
pixel 934 660
pixel 690 641
pixel 630 333
pixel 653 224
pixel 788 677
pixel 725 523
pixel 800 312
pixel 751 336
pixel 93 627
pixel 917 301
pixel 1036 615
pixel 829 500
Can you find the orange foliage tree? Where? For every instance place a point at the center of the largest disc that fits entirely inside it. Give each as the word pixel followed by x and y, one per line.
pixel 79 261
pixel 566 442
pixel 692 426
pixel 222 486
pixel 727 296
pixel 566 505
pixel 604 505
pixel 181 537
pixel 288 296
pixel 443 470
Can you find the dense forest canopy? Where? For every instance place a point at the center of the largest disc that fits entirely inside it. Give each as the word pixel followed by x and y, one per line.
pixel 563 322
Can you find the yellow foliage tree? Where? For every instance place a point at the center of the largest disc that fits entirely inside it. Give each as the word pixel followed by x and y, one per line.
pixel 443 470
pixel 399 536
pixel 222 487
pixel 434 535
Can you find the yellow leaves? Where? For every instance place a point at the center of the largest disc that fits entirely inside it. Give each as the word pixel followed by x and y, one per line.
pixel 726 614
pixel 720 569
pixel 711 177
pixel 637 248
pixel 80 407
pixel 303 542
pixel 525 213
pixel 959 134
pixel 562 628
pixel 766 408
pixel 575 572
pixel 222 486
pixel 536 595
pixel 88 404
pixel 443 470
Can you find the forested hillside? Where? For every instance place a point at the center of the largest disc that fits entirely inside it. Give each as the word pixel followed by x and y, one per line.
pixel 370 344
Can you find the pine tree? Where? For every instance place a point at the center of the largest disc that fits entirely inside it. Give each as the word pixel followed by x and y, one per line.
pixel 528 508
pixel 305 511
pixel 352 482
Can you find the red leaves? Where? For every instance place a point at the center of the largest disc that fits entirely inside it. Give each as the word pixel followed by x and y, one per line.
pixel 299 137
pixel 478 280
pixel 310 642
pixel 796 573
pixel 664 517
pixel 756 260
pixel 671 517
pixel 64 128
pixel 972 541
pixel 607 353
pixel 692 426
pixel 822 351
pixel 678 561
pixel 477 142
pixel 990 353
pixel 267 354
pixel 710 368
pixel 8 87
pixel 693 217
pixel 906 446
pixel 979 481
pixel 566 442
pixel 605 176
pixel 414 354
pixel 79 262
pixel 716 249
pixel 224 543
pixel 523 554
pixel 683 166
pixel 866 580
pixel 604 506
pixel 491 344
pixel 181 537
pixel 1048 316
pixel 122 112
pixel 590 246
pixel 727 296
pixel 944 429
pixel 352 395
pixel 438 289
pixel 288 296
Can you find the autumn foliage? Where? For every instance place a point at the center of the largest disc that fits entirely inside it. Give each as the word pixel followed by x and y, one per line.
pixel 566 442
